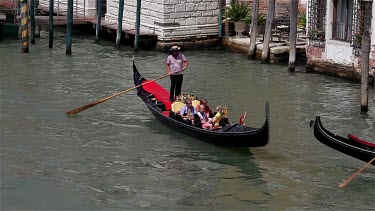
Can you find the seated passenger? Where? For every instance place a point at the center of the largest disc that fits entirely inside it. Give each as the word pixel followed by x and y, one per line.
pixel 224 117
pixel 206 123
pixel 217 118
pixel 187 113
pixel 207 109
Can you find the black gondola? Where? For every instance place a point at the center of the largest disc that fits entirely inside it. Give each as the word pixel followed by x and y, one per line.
pixel 352 145
pixel 156 99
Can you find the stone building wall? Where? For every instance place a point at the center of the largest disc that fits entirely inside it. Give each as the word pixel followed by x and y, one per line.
pixel 170 20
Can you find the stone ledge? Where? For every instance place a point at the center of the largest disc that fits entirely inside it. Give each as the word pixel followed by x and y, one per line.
pixel 342 71
pixel 279 52
pixel 188 43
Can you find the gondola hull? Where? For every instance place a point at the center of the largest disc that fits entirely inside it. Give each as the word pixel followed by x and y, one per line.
pixel 361 151
pixel 258 138
pixel 243 137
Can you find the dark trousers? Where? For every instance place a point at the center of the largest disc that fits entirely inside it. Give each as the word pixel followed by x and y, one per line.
pixel 176 83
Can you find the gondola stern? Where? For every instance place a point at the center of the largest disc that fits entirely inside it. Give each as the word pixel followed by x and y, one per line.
pixel 137 77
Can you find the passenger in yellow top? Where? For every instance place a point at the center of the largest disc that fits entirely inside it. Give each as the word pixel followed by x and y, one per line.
pixel 218 116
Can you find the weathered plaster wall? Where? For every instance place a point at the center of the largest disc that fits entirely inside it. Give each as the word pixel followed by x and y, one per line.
pixel 170 19
pixel 339 52
pixel 81 8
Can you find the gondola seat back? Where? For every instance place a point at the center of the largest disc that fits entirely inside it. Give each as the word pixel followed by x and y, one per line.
pixel 176 106
pixel 195 103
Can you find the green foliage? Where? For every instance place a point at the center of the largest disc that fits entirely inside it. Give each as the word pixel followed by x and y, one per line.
pixel 358 38
pixel 261 19
pixel 302 21
pixel 237 12
pixel 316 34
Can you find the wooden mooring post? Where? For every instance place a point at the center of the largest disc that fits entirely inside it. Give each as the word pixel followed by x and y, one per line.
pixel 50 24
pixel 293 35
pixel 25 26
pixel 365 57
pixel 220 37
pixel 32 21
pixel 254 28
pixel 69 26
pixel 99 19
pixel 119 22
pixel 267 33
pixel 137 26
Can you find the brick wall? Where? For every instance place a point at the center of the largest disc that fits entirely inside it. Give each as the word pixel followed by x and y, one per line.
pixel 282 6
pixel 343 71
pixel 314 53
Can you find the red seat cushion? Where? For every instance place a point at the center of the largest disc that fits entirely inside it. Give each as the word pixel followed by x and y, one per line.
pixel 351 136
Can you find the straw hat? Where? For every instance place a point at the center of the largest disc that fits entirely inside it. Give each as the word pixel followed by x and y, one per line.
pixel 175 48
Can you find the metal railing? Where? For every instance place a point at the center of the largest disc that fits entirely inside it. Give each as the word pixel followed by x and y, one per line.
pixel 341 31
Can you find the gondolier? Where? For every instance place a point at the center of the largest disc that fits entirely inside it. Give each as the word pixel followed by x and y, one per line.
pixel 176 64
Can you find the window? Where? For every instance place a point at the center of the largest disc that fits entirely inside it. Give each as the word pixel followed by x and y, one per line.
pixel 361 20
pixel 342 20
pixel 317 19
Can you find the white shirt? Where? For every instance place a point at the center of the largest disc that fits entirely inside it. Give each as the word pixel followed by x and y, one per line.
pixel 176 65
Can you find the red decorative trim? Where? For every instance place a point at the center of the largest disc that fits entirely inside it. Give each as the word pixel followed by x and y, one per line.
pixel 354 138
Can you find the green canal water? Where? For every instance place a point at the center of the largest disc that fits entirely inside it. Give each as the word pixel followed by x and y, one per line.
pixel 116 156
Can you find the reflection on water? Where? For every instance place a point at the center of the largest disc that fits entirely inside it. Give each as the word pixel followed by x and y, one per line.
pixel 117 156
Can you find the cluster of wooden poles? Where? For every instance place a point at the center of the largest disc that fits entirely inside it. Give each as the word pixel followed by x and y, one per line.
pixel 267 33
pixel 25 22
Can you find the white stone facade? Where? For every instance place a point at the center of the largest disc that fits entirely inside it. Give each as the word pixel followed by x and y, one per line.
pixel 170 20
pixel 81 8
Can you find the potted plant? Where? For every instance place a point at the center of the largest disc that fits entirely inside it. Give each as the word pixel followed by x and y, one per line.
pixel 261 22
pixel 237 13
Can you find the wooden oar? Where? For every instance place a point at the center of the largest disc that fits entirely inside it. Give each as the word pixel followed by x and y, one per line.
pixel 351 177
pixel 77 110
